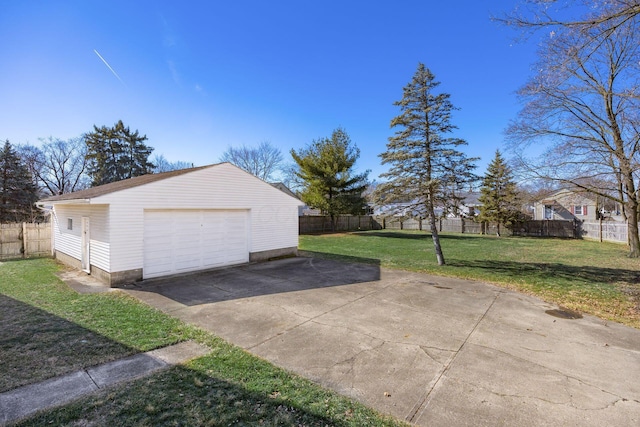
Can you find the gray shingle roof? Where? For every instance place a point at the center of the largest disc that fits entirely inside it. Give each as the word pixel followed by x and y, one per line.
pixel 280 186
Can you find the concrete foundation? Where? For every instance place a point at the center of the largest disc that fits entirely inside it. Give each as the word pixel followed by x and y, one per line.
pixel 118 278
pixel 68 260
pixel 273 253
pixel 113 279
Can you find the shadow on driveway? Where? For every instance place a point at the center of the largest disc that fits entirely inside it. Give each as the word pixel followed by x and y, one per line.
pixel 274 277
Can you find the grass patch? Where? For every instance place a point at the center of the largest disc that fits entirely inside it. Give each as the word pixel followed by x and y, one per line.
pixel 49 329
pixel 227 387
pixel 590 277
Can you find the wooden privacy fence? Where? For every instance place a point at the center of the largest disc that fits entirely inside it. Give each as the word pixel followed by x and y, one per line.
pixel 451 225
pixel 25 240
pixel 547 228
pixel 610 231
pixel 544 228
pixel 310 224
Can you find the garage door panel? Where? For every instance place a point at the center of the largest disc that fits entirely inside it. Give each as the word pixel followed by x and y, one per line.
pixel 178 241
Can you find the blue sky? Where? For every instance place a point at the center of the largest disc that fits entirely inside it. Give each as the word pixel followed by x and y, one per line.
pixel 197 77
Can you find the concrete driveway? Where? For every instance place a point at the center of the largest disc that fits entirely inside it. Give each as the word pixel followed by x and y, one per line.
pixel 430 350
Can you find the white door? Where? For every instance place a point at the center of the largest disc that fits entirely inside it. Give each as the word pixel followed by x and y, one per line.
pixel 177 241
pixel 86 245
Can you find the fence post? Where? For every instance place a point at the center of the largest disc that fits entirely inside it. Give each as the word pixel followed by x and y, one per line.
pixel 600 228
pixel 24 240
pixel 462 225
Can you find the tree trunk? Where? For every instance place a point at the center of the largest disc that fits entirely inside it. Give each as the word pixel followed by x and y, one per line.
pixel 634 235
pixel 632 212
pixel 436 240
pixel 434 234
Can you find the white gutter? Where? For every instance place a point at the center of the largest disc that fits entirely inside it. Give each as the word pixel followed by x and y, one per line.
pixel 64 202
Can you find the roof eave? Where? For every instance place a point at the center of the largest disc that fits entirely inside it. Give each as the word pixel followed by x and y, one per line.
pixel 64 202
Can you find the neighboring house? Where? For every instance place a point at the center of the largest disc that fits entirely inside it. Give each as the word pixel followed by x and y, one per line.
pixel 174 222
pixel 282 187
pixel 468 207
pixel 307 210
pixel 302 209
pixel 399 209
pixel 566 205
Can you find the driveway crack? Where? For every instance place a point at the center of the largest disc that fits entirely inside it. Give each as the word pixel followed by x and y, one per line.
pixel 422 404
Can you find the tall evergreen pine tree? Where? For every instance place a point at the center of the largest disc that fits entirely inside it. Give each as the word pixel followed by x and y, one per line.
pixel 427 170
pixel 329 182
pixel 116 153
pixel 498 195
pixel 18 192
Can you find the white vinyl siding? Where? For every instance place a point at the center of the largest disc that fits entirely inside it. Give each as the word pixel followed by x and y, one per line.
pixel 273 220
pixel 69 241
pixel 118 219
pixel 177 241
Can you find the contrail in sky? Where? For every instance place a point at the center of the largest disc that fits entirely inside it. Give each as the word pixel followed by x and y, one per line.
pixel 108 66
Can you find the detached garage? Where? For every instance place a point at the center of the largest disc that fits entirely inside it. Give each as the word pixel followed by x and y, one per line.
pixel 175 222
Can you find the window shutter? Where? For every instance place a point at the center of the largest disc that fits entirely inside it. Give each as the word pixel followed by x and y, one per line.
pixel 572 210
pixel 584 210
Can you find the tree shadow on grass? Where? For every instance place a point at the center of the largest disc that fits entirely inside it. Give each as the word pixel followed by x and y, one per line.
pixel 549 271
pixel 395 234
pixel 414 235
pixel 36 345
pixel 184 396
pixel 339 257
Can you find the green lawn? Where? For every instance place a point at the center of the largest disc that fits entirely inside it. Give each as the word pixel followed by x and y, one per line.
pixel 49 329
pixel 591 277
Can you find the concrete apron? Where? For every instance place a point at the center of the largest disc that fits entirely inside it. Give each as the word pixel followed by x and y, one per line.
pixel 430 350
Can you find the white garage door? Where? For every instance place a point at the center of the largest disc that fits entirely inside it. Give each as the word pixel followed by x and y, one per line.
pixel 177 241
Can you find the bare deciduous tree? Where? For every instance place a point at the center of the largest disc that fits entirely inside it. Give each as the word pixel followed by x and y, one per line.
pixel 263 161
pixel 606 16
pixel 582 110
pixel 58 165
pixel 163 165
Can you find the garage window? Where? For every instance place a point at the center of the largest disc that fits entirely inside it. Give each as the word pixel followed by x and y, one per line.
pixel 69 223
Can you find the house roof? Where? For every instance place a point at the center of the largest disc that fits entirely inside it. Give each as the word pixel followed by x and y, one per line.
pixel 282 187
pixel 471 198
pixel 112 187
pixel 552 198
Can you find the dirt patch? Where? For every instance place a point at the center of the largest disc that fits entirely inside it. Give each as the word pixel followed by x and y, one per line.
pixel 564 313
pixel 633 292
